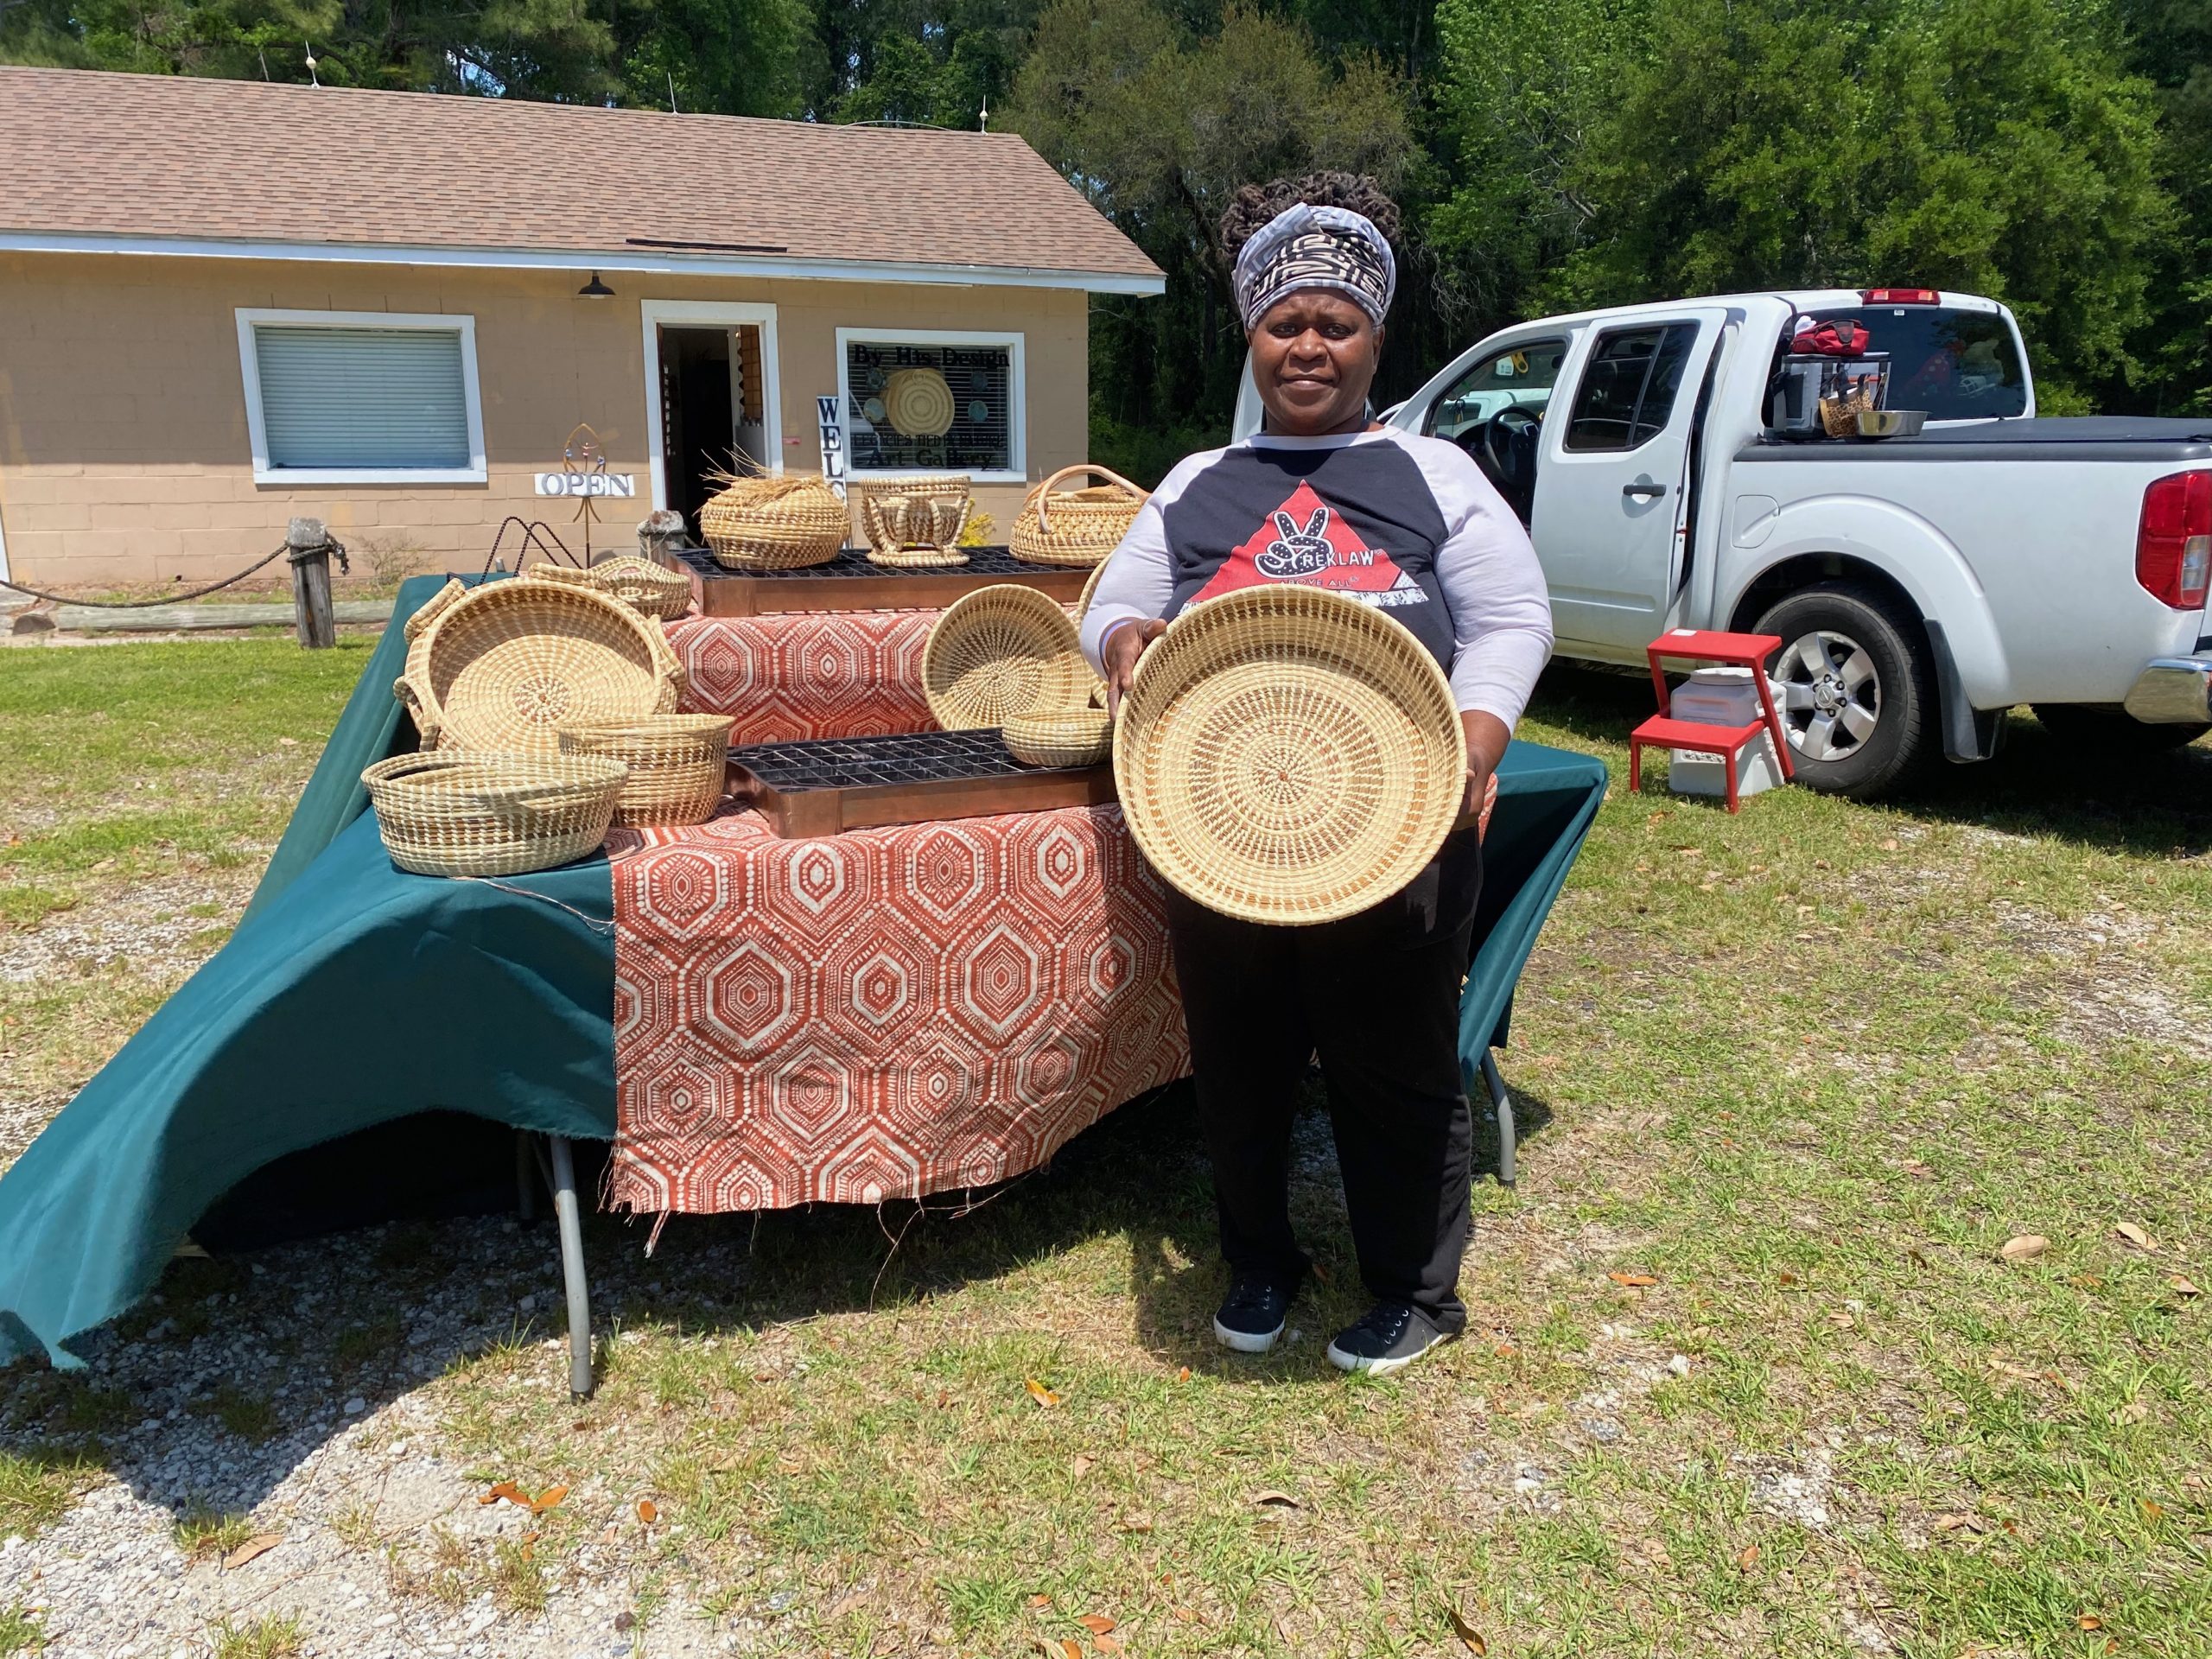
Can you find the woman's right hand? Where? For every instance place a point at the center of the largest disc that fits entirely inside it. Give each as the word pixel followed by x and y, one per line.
pixel 1124 647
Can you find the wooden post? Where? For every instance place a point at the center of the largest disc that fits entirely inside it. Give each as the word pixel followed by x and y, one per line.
pixel 311 545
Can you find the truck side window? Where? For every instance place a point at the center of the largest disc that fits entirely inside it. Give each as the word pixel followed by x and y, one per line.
pixel 1520 376
pixel 1629 385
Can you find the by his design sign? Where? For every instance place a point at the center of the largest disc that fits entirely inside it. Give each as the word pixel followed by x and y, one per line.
pixel 622 485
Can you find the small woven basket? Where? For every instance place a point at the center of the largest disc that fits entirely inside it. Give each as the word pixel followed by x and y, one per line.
pixel 784 523
pixel 1079 527
pixel 646 587
pixel 1840 416
pixel 499 668
pixel 1072 737
pixel 1286 754
pixel 999 651
pixel 914 522
pixel 491 814
pixel 677 763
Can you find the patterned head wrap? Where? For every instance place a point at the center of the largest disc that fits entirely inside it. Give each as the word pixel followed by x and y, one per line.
pixel 1305 246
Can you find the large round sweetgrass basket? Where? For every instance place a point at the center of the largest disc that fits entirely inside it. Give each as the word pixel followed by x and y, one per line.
pixel 677 763
pixel 999 651
pixel 646 587
pixel 782 523
pixel 500 668
pixel 458 813
pixel 1286 754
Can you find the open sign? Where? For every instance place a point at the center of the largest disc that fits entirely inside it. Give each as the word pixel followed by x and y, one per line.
pixel 621 484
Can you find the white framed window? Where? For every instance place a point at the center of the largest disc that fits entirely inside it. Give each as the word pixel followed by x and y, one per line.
pixel 361 398
pixel 928 400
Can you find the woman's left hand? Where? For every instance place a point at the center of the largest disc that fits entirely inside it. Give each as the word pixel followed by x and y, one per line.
pixel 1487 736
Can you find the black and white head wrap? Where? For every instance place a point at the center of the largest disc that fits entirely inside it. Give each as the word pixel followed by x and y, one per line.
pixel 1305 246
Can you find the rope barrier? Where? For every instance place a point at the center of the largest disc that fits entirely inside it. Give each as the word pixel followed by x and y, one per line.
pixel 283 548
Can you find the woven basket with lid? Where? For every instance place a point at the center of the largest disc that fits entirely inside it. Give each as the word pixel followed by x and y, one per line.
pixel 1077 527
pixel 501 667
pixel 649 587
pixel 785 523
pixel 999 651
pixel 491 814
pixel 677 763
pixel 1290 755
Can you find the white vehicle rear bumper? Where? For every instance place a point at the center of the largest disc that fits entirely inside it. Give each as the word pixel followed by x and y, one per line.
pixel 2173 691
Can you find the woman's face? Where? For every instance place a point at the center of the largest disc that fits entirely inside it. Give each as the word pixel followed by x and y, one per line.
pixel 1313 356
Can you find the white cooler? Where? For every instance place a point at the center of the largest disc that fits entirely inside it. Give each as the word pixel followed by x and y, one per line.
pixel 1722 696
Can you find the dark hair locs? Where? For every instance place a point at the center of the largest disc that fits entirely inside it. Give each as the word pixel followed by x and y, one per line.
pixel 1253 205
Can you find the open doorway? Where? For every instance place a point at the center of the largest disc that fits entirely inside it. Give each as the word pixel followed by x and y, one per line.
pixel 713 386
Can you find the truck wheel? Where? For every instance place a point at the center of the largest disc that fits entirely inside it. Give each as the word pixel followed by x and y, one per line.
pixel 2115 731
pixel 1857 697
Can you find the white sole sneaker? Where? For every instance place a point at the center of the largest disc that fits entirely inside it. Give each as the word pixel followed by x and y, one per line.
pixel 1382 1367
pixel 1245 1342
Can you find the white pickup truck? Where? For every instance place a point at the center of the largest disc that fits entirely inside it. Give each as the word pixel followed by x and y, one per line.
pixel 1923 586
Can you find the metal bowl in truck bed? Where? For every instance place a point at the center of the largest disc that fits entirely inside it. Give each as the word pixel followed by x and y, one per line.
pixel 849 582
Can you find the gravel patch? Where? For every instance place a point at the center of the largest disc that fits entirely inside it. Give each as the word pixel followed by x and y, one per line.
pixel 147 928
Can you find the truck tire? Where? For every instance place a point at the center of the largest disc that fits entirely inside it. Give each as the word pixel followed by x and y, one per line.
pixel 2113 731
pixel 1857 693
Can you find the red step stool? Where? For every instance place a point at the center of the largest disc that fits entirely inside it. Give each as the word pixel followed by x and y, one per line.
pixel 1748 651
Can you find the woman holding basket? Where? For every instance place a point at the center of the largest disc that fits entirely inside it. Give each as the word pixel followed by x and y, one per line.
pixel 1325 496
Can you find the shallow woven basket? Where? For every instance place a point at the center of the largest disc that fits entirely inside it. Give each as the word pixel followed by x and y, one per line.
pixel 950 498
pixel 1073 737
pixel 491 814
pixel 999 651
pixel 1290 755
pixel 501 667
pixel 774 524
pixel 677 763
pixel 646 587
pixel 917 558
pixel 1078 527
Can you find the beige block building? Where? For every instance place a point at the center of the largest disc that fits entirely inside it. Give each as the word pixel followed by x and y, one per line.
pixel 223 304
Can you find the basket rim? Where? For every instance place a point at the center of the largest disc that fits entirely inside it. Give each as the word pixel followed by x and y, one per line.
pixel 1164 670
pixel 1050 617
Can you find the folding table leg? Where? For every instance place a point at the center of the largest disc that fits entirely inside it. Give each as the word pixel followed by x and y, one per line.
pixel 1502 1111
pixel 572 1265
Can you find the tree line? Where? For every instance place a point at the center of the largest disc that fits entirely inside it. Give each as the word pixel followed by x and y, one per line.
pixel 1549 154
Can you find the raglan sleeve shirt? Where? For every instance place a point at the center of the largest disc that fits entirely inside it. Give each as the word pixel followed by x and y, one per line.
pixel 1485 567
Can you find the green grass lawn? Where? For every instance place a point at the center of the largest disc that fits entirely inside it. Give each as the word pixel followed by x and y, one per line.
pixel 1751 1370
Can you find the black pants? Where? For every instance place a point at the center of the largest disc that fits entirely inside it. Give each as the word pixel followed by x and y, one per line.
pixel 1377 996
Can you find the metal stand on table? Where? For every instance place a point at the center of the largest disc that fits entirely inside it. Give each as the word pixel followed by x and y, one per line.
pixel 558 1166
pixel 1501 1104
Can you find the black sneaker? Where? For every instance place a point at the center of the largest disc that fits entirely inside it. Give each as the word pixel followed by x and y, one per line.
pixel 1252 1314
pixel 1390 1337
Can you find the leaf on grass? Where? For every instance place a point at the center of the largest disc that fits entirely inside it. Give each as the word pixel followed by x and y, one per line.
pixel 1183 1375
pixel 1057 1648
pixel 1040 1600
pixel 1889 845
pixel 1039 1393
pixel 1109 1644
pixel 549 1499
pixel 2133 1412
pixel 1470 1637
pixel 1081 1465
pixel 260 1544
pixel 2090 1622
pixel 1097 1624
pixel 1321 1273
pixel 510 1491
pixel 1785 1279
pixel 1748 1558
pixel 2128 1233
pixel 1503 1351
pixel 2153 1509
pixel 648 1511
pixel 2182 1286
pixel 1273 1499
pixel 1960 1523
pixel 1633 1280
pixel 2022 1247
pixel 1184 1615
pixel 1139 1522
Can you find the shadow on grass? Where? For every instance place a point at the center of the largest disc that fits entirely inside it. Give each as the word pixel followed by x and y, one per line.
pixel 2155 805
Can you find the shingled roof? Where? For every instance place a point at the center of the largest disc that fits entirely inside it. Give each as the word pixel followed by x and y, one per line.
pixel 100 159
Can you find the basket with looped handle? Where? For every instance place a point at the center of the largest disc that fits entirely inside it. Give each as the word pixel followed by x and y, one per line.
pixel 1286 754
pixel 677 763
pixel 650 588
pixel 914 523
pixel 500 668
pixel 1077 527
pixel 1000 651
pixel 782 523
pixel 1059 737
pixel 491 814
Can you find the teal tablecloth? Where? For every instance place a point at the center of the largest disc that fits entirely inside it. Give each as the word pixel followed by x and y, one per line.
pixel 352 994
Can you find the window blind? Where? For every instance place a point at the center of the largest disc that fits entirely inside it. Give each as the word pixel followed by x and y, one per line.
pixel 348 398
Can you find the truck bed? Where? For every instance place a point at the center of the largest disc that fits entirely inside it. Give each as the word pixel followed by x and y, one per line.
pixel 2078 437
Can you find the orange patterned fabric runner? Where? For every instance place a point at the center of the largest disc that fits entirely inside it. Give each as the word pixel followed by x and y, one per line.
pixel 807 673
pixel 879 1015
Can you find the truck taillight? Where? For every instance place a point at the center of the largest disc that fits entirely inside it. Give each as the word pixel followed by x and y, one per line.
pixel 2173 542
pixel 1900 296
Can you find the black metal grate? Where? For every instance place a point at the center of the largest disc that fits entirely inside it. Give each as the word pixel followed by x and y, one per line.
pixel 875 762
pixel 853 562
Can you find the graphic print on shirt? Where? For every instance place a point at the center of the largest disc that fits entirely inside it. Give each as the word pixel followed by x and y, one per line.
pixel 1305 541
